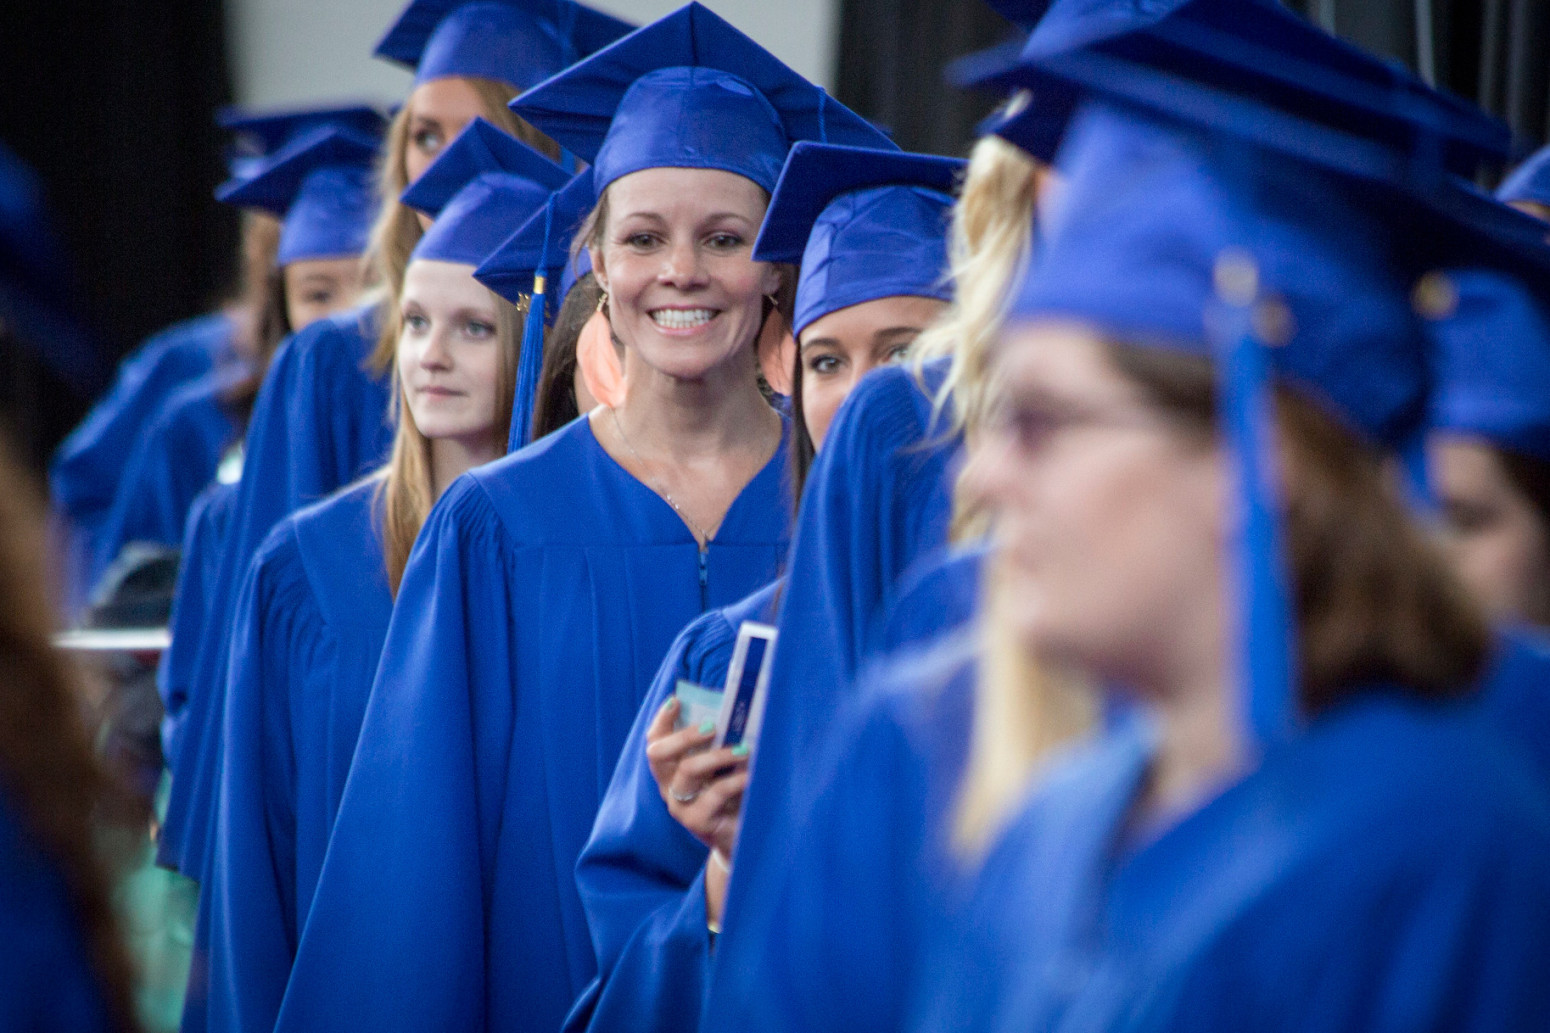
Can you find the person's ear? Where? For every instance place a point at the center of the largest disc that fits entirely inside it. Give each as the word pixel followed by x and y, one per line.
pixel 599 272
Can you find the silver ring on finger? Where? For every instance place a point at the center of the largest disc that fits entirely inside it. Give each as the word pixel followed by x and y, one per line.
pixel 684 798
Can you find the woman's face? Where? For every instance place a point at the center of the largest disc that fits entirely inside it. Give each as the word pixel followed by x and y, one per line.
pixel 840 348
pixel 1107 515
pixel 449 352
pixel 318 287
pixel 438 111
pixel 684 293
pixel 1495 538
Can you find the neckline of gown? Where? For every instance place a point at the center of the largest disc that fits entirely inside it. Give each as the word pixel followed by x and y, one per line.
pixel 775 462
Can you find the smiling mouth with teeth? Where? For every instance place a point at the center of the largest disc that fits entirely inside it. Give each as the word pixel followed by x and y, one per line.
pixel 682 318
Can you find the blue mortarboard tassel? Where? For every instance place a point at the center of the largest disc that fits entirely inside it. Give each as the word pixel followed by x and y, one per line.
pixel 518 42
pixel 1266 658
pixel 688 91
pixel 531 362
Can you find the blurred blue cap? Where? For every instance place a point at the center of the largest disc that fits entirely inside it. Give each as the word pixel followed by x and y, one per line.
pixel 1252 48
pixel 688 91
pixel 322 185
pixel 518 42
pixel 864 224
pixel 1529 181
pixel 481 186
pixel 259 134
pixel 542 243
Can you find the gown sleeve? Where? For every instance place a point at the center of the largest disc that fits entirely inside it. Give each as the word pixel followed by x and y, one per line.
pixel 296 452
pixel 878 497
pixel 197 575
pixel 395 938
pixel 249 900
pixel 642 874
pixel 839 942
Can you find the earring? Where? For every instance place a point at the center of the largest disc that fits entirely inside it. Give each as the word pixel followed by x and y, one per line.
pixel 598 360
pixel 777 350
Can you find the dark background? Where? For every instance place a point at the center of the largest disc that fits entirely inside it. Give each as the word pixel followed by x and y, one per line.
pixel 111 103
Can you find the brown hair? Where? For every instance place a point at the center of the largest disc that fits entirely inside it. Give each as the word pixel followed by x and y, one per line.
pixel 405 492
pixel 1375 600
pixel 262 299
pixel 397 229
pixel 555 403
pixel 47 768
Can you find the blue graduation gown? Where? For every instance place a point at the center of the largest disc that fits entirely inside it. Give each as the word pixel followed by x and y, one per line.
pixel 1516 693
pixel 319 422
pixel 879 497
pixel 642 875
pixel 47 981
pixel 1389 869
pixel 936 596
pixel 309 632
pixel 868 870
pixel 86 470
pixel 208 518
pixel 540 598
pixel 175 458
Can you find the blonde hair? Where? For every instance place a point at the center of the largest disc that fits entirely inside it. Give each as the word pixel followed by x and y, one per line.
pixel 397 229
pixel 1023 712
pixel 406 493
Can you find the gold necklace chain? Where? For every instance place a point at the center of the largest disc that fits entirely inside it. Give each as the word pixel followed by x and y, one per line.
pixel 667 496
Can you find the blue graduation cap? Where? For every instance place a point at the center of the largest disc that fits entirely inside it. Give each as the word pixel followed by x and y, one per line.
pixel 1023 13
pixel 1254 48
pixel 518 42
pixel 863 223
pixel 481 186
pixel 1492 341
pixel 321 185
pixel 1214 224
pixel 688 91
pixel 258 134
pixel 1529 181
pixel 525 262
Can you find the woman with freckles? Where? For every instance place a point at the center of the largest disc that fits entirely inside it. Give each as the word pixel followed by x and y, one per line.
pixel 545 587
pixel 315 606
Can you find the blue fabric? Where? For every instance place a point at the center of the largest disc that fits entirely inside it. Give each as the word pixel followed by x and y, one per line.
pixel 1516 691
pixel 309 631
pixel 688 91
pixel 47 981
pixel 540 597
pixel 524 263
pixel 480 187
pixel 319 422
pixel 1386 870
pixel 867 871
pixel 642 875
pixel 864 224
pixel 878 497
pixel 937 596
pixel 175 458
pixel 323 185
pixel 259 134
pixel 88 466
pixel 1493 363
pixel 518 42
pixel 198 579
pixel 1530 181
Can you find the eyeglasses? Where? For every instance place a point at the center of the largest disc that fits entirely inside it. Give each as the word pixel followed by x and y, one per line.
pixel 1033 426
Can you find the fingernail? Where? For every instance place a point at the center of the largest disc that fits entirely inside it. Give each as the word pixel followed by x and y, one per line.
pixel 707 726
pixel 740 750
pixel 671 703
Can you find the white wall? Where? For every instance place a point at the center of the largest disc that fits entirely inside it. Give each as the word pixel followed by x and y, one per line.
pixel 286 52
